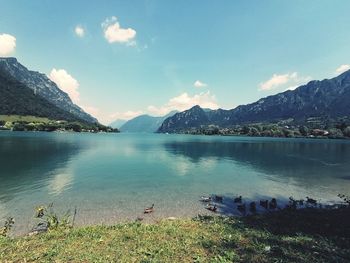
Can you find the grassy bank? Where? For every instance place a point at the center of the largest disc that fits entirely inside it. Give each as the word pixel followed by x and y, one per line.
pixel 33 123
pixel 19 118
pixel 288 236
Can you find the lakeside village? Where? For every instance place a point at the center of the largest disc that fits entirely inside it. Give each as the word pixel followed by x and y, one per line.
pixel 51 126
pixel 311 128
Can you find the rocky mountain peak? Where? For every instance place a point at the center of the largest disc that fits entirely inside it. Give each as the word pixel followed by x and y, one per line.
pixel 43 87
pixel 328 98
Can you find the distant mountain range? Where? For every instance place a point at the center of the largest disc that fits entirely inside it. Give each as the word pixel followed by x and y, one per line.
pixel 117 123
pixel 329 98
pixel 42 86
pixel 145 123
pixel 25 92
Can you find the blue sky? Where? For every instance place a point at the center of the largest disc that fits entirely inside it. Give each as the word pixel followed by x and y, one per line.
pixel 118 59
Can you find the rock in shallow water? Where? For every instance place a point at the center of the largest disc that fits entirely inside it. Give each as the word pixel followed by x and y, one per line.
pixel 40 228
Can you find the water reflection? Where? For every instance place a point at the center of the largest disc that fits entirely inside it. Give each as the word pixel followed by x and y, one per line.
pixel 27 162
pixel 182 166
pixel 291 159
pixel 116 176
pixel 60 182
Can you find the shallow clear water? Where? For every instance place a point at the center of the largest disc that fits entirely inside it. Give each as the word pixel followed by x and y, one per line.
pixel 113 177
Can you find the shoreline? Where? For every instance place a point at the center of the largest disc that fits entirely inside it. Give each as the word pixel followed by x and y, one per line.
pixel 305 235
pixel 256 136
pixel 209 135
pixel 225 206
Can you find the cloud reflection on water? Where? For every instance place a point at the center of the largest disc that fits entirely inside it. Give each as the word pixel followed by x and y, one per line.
pixel 307 164
pixel 60 182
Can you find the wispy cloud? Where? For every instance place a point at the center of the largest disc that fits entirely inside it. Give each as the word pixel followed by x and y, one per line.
pixel 7 44
pixel 79 31
pixel 287 81
pixel 342 68
pixel 91 110
pixel 114 33
pixel 127 115
pixel 184 101
pixel 199 84
pixel 66 83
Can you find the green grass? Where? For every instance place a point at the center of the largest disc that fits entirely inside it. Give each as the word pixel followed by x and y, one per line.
pixel 34 123
pixel 19 118
pixel 297 236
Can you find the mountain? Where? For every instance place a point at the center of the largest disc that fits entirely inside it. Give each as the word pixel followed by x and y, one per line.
pixel 17 99
pixel 117 123
pixel 144 123
pixel 329 98
pixel 43 87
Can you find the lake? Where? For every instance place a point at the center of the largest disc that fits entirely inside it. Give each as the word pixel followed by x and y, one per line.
pixel 111 178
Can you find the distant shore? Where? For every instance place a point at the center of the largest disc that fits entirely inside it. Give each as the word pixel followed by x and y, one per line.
pixel 33 123
pixel 335 131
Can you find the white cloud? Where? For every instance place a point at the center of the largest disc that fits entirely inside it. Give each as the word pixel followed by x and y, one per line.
pixel 114 33
pixel 127 115
pixel 342 68
pixel 184 102
pixel 276 80
pixel 199 84
pixel 179 103
pixel 131 43
pixel 106 118
pixel 79 31
pixel 7 44
pixel 66 83
pixel 292 80
pixel 91 110
pixel 292 87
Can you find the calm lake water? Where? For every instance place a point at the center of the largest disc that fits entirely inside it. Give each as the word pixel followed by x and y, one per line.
pixel 112 177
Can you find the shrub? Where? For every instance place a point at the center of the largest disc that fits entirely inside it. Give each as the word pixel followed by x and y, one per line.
pixel 335 133
pixel 19 127
pixel 346 131
pixel 304 130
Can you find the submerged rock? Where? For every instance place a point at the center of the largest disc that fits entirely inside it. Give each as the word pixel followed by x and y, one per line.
pixel 42 227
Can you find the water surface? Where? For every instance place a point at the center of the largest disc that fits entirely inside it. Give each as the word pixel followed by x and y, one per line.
pixel 111 177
